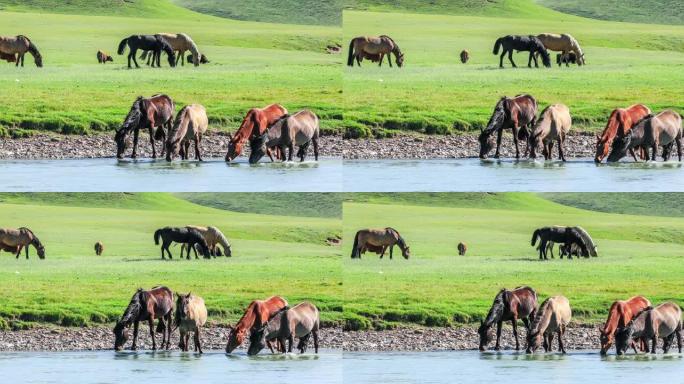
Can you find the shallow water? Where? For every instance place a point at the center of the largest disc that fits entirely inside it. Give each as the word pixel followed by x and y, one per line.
pixel 459 175
pixel 212 175
pixel 509 367
pixel 169 367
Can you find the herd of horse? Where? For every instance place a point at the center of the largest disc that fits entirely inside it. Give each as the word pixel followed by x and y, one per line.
pixel 632 323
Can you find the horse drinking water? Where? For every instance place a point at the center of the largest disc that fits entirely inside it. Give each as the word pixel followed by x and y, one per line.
pixel 191 315
pixel 662 322
pixel 152 113
pixel 191 123
pixel 255 317
pixel 553 125
pixel 302 321
pixel 518 114
pixel 156 303
pixel 520 303
pixel 255 124
pixel 620 122
pixel 299 129
pixel 652 132
pixel 553 316
pixel 620 314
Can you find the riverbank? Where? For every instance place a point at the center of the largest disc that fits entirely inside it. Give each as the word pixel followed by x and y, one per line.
pixel 448 147
pixel 53 146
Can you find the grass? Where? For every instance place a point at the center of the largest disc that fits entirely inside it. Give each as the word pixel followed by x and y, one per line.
pixel 283 255
pixel 302 204
pixel 435 93
pixel 651 12
pixel 435 287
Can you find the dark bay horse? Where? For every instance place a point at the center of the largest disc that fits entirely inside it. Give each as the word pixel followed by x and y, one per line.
pixel 651 132
pixel 375 239
pixel 16 47
pixel 520 303
pixel 255 317
pixel 620 122
pixel 184 235
pixel 373 47
pixel 13 240
pixel 518 43
pixel 154 112
pixel 517 114
pixel 156 303
pixel 255 124
pixel 621 312
pixel 154 43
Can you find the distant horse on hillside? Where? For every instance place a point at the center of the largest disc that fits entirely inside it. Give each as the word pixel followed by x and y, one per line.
pixel 16 47
pixel 363 46
pixel 462 249
pixel 569 58
pixel 203 59
pixel 154 43
pixel 620 122
pixel 154 112
pixel 213 236
pixel 518 114
pixel 385 238
pixel 564 43
pixel 518 43
pixel 189 236
pixel 465 56
pixel 99 248
pixel 103 57
pixel 180 43
pixel 563 235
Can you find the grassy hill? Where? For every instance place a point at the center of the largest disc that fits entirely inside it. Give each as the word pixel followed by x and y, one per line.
pixel 302 204
pixel 501 8
pixel 634 11
pixel 135 8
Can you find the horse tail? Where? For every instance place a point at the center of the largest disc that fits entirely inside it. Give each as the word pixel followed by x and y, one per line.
pixel 355 251
pixel 350 57
pixel 497 44
pixel 122 46
pixel 535 235
pixel 157 235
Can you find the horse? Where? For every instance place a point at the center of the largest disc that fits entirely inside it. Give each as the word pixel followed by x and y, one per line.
pixel 553 124
pixel 191 237
pixel 17 46
pixel 255 317
pixel 203 59
pixel 213 237
pixel 99 248
pixel 191 123
pixel 13 240
pixel 385 238
pixel 517 114
pixel 181 42
pixel 652 131
pixel 520 303
pixel 156 303
pixel 518 43
pixel 191 315
pixel 621 312
pixel 553 316
pixel 360 47
pixel 154 43
pixel 620 122
pixel 255 124
pixel 563 235
pixel 564 43
pixel 302 321
pixel 663 321
pixel 568 58
pixel 462 249
pixel 150 113
pixel 103 57
pixel 299 129
pixel 465 56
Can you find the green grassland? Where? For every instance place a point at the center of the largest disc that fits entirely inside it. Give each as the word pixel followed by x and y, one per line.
pixel 284 255
pixel 436 287
pixel 252 64
pixel 435 93
pixel 650 12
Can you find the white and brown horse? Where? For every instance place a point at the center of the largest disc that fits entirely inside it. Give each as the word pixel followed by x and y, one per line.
pixel 191 123
pixel 553 125
pixel 17 46
pixel 374 46
pixel 13 240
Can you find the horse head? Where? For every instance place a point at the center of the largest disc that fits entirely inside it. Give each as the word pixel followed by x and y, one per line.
pixel 619 147
pixel 257 341
pixel 534 340
pixel 485 336
pixel 120 335
pixel 38 59
pixel 406 252
pixel 400 59
pixel 235 337
pixel 258 148
pixel 602 148
pixel 606 340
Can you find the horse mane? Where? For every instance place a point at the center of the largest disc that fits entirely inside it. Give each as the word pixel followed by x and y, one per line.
pixel 497 308
pixel 31 47
pixel 134 117
pixel 400 240
pixel 133 309
pixel 221 237
pixel 648 116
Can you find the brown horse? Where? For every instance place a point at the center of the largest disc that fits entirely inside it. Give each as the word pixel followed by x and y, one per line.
pixel 465 56
pixel 553 316
pixel 374 239
pixel 13 240
pixel 191 123
pixel 302 321
pixel 621 312
pixel 255 124
pixel 256 316
pixel 365 46
pixel 156 303
pixel 462 249
pixel 520 303
pixel 103 57
pixel 99 248
pixel 663 321
pixel 191 315
pixel 10 58
pixel 152 113
pixel 661 130
pixel 553 125
pixel 17 46
pixel 620 122
pixel 517 114
pixel 300 129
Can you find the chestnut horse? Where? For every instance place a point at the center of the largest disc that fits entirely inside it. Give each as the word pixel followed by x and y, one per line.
pixel 661 130
pixel 552 316
pixel 621 313
pixel 663 321
pixel 256 316
pixel 154 112
pixel 620 122
pixel 520 303
pixel 156 303
pixel 255 124
pixel 516 114
pixel 103 57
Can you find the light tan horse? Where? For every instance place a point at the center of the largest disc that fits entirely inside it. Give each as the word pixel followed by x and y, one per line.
pixel 190 124
pixel 553 316
pixel 191 315
pixel 16 239
pixel 365 46
pixel 299 129
pixel 562 43
pixel 19 45
pixel 663 321
pixel 180 43
pixel 553 125
pixel 213 237
pixel 366 239
pixel 301 321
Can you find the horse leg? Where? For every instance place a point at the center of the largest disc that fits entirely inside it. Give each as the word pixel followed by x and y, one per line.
pixel 136 133
pixel 679 339
pixel 150 322
pixel 135 61
pixel 560 149
pixel 529 61
pixel 382 57
pixel 198 155
pixel 27 251
pixel 315 337
pixel 134 346
pixel 498 143
pixel 515 141
pixel 22 59
pixel 290 148
pixel 679 148
pixel 497 347
pixel 514 322
pixel 510 58
pixel 389 60
pixel 150 129
pixel 198 341
pixel 315 145
pixel 501 59
pixel 391 247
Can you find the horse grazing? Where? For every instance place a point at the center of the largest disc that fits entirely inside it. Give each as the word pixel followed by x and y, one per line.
pixel 621 312
pixel 299 129
pixel 553 316
pixel 17 46
pixel 13 240
pixel 154 43
pixel 553 125
pixel 203 59
pixel 103 57
pixel 663 321
pixel 462 249
pixel 564 43
pixel 191 315
pixel 99 248
pixel 567 59
pixel 568 236
pixel 520 303
pixel 187 236
pixel 213 237
pixel 374 239
pixel 255 124
pixel 651 132
pixel 365 46
pixel 150 113
pixel 518 43
pixel 465 56
pixel 620 122
pixel 517 114
pixel 302 321
pixel 255 317
pixel 156 303
pixel 180 43
pixel 191 123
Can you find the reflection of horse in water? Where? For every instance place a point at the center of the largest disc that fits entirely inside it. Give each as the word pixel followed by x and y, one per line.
pixel 378 239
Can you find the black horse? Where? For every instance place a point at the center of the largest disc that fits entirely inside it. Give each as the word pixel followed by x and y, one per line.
pixel 518 43
pixel 184 235
pixel 569 237
pixel 153 43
